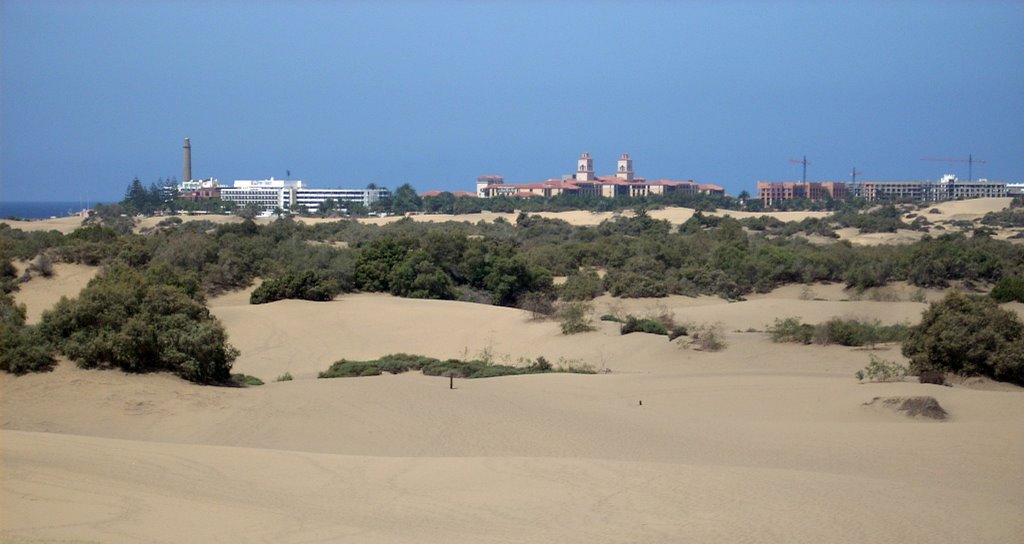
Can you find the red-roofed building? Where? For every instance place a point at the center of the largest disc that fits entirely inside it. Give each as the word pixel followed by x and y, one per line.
pixel 584 182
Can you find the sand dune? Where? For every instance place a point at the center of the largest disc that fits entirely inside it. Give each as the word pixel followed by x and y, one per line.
pixel 761 442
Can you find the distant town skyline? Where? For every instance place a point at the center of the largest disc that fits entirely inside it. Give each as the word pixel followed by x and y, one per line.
pixel 435 94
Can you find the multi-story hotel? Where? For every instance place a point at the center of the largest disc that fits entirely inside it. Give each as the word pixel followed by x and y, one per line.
pixel 947 188
pixel 585 182
pixel 278 194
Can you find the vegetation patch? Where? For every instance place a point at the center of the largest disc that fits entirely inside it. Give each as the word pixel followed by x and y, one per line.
pixel 576 317
pixel 23 348
pixel 245 380
pixel 882 370
pixel 844 332
pixel 401 362
pixel 968 335
pixel 141 322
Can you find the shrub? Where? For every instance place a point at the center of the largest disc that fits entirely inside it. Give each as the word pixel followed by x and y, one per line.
pixel 286 377
pixel 401 362
pixel 610 317
pixel 845 332
pixel 575 317
pixel 709 337
pixel 22 348
pixel 791 330
pixel 140 323
pixel 581 286
pixel 638 324
pixel 1009 289
pixel 42 265
pixel 882 370
pixel 968 335
pixel 307 285
pixel 854 332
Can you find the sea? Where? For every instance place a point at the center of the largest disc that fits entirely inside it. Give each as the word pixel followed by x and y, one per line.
pixel 41 210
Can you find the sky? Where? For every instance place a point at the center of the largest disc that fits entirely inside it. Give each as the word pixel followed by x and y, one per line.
pixel 342 94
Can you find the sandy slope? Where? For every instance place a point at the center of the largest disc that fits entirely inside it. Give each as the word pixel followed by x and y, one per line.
pixel 40 294
pixel 761 442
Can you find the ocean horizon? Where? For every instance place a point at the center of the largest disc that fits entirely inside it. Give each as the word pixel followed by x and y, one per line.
pixel 42 210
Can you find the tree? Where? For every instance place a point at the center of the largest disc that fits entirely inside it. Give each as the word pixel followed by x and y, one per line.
pixel 406 200
pixel 136 198
pixel 968 335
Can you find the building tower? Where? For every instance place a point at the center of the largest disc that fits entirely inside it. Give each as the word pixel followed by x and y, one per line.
pixel 624 170
pixel 186 174
pixel 585 168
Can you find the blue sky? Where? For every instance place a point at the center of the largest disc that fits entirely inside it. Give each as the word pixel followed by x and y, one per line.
pixel 436 93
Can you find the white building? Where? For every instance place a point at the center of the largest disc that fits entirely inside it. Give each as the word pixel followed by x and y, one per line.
pixel 278 194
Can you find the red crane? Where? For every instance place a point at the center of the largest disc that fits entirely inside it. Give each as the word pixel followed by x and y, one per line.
pixel 970 160
pixel 804 162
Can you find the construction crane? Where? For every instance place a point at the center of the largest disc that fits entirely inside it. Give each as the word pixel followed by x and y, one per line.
pixel 854 173
pixel 803 162
pixel 970 160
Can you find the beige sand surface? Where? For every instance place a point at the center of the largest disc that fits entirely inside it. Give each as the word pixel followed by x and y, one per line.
pixel 676 216
pixel 964 210
pixel 758 443
pixel 63 225
pixel 40 294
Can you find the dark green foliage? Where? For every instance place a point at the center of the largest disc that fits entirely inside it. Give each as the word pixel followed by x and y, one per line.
pixel 638 324
pixel 22 348
pixel 1009 290
pixel 844 332
pixel 401 362
pixel 139 322
pixel 585 285
pixel 968 335
pixel 1010 217
pixel 856 332
pixel 306 285
pixel 883 219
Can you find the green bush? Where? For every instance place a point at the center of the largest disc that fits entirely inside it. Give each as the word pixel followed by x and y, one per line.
pixel 1010 289
pixel 136 322
pixel 307 285
pixel 581 286
pixel 855 332
pixel 286 377
pixel 968 335
pixel 845 332
pixel 791 330
pixel 22 348
pixel 640 324
pixel 401 362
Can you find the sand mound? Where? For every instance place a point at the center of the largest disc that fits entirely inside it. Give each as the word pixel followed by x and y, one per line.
pixel 926 407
